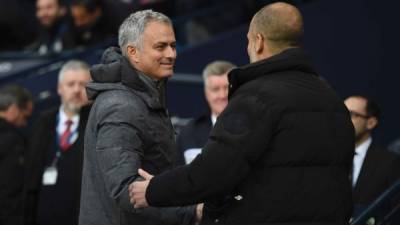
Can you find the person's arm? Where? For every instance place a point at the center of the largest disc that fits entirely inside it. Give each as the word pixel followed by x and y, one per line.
pixel 241 134
pixel 118 149
pixel 119 152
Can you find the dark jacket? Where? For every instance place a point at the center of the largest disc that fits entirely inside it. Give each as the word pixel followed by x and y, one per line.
pixel 280 153
pixel 43 203
pixel 193 136
pixel 12 150
pixel 379 171
pixel 54 39
pixel 128 129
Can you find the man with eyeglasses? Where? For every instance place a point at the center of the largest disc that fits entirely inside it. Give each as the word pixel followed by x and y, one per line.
pixel 374 169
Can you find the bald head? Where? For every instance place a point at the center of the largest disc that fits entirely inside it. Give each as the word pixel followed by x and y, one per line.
pixel 280 24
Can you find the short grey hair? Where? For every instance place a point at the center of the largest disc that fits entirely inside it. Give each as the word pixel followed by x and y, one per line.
pixel 72 65
pixel 217 68
pixel 131 30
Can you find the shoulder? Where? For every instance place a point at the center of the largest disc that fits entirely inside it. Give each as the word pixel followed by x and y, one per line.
pixel 47 117
pixel 198 124
pixel 118 105
pixel 9 137
pixel 202 120
pixel 384 154
pixel 50 113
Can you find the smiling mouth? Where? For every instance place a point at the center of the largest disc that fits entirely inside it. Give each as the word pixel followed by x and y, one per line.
pixel 167 65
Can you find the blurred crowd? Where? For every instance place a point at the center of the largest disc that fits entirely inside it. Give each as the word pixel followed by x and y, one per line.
pixel 51 26
pixel 45 165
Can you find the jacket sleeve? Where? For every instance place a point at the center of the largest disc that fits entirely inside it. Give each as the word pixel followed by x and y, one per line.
pixel 241 134
pixel 118 149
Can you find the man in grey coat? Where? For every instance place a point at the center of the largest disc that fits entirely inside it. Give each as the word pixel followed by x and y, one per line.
pixel 129 127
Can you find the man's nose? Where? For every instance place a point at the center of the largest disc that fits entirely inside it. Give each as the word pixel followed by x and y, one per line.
pixel 171 52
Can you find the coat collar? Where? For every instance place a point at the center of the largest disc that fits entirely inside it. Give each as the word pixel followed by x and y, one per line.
pixel 121 75
pixel 289 59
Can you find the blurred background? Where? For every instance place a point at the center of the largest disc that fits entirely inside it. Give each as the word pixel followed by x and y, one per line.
pixel 353 45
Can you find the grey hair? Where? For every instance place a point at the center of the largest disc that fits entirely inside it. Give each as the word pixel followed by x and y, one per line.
pixel 14 94
pixel 72 65
pixel 217 68
pixel 131 30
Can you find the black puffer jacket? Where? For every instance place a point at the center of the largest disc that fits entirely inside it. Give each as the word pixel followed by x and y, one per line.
pixel 128 128
pixel 280 153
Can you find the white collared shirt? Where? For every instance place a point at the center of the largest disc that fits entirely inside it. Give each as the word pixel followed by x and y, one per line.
pixel 191 153
pixel 213 119
pixel 358 159
pixel 61 126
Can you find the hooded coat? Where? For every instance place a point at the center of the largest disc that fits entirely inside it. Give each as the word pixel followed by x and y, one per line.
pixel 128 128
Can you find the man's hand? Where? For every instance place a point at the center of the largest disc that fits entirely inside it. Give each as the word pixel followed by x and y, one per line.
pixel 137 190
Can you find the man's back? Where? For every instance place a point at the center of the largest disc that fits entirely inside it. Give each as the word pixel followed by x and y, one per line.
pixel 288 142
pixel 305 164
pixel 11 170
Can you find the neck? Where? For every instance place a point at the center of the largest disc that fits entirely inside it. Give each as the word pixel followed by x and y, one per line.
pixel 362 139
pixel 69 113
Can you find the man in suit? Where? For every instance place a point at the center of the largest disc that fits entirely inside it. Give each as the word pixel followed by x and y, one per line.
pixel 56 149
pixel 194 135
pixel 16 106
pixel 374 168
pixel 280 152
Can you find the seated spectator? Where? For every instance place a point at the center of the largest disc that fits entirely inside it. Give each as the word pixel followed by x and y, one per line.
pixel 93 23
pixel 55 33
pixel 16 106
pixel 195 134
pixel 374 168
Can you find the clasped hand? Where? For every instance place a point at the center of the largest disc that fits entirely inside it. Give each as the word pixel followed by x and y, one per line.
pixel 137 190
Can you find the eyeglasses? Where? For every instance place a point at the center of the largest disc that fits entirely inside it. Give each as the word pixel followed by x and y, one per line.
pixel 356 114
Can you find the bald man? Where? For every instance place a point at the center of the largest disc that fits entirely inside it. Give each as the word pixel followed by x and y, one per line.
pixel 280 152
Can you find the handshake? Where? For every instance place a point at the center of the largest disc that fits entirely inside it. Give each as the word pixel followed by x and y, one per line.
pixel 137 190
pixel 137 195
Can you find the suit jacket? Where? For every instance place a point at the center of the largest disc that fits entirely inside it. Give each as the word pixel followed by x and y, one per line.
pixel 11 173
pixel 193 136
pixel 42 148
pixel 380 169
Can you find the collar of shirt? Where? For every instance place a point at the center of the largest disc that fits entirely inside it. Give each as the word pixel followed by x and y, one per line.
pixel 213 119
pixel 62 118
pixel 359 157
pixel 361 149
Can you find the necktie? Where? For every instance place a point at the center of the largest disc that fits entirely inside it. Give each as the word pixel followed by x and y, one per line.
pixel 64 139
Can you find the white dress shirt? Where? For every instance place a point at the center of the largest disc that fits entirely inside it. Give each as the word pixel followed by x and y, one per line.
pixel 358 159
pixel 191 153
pixel 61 126
pixel 213 119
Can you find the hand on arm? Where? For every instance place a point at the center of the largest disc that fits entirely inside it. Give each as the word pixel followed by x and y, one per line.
pixel 137 190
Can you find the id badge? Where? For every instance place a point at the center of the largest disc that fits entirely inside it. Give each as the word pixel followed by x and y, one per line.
pixel 50 176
